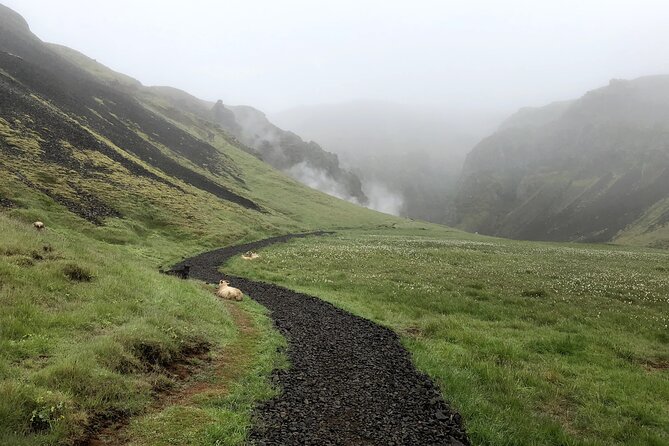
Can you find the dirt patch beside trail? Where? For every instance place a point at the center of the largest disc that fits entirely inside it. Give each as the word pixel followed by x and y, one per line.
pixel 350 382
pixel 194 379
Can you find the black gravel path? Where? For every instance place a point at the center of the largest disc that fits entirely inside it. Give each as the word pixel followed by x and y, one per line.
pixel 350 382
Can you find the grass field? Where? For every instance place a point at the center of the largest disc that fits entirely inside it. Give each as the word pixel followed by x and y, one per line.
pixel 535 343
pixel 77 343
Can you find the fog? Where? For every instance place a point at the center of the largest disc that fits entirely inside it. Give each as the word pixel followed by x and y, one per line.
pixel 277 55
pixel 399 90
pixel 407 157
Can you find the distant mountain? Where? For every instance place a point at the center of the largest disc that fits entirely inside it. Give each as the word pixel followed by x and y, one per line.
pixel 594 169
pixel 305 161
pixel 408 157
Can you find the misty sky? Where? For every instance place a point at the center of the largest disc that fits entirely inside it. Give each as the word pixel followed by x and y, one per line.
pixel 280 54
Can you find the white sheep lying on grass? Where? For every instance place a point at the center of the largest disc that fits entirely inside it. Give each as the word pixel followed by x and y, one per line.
pixel 225 291
pixel 250 255
pixel 38 225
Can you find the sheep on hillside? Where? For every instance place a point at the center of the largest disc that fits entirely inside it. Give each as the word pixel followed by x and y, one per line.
pixel 38 225
pixel 250 255
pixel 225 291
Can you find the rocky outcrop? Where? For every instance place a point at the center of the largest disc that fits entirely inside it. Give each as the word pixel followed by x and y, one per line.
pixel 305 161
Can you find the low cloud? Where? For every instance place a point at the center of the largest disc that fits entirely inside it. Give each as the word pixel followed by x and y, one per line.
pixel 319 179
pixel 380 198
pixel 383 199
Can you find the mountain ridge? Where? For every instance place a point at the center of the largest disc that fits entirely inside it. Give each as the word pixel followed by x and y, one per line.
pixel 282 149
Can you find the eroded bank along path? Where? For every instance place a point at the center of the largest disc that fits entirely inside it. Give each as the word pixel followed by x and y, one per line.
pixel 350 381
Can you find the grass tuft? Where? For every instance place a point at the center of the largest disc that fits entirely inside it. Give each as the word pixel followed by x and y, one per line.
pixel 76 273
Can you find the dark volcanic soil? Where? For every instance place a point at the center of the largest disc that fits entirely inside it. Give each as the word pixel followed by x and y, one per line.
pixel 350 381
pixel 32 76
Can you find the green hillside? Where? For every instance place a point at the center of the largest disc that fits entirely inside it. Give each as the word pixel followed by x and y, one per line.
pixel 104 153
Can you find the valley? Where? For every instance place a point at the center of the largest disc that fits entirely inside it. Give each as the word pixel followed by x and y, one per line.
pixel 357 326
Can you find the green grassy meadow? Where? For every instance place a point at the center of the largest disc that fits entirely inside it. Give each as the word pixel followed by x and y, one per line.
pixel 89 329
pixel 534 343
pixel 79 344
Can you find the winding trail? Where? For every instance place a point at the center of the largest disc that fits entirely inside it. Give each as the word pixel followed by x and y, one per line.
pixel 350 381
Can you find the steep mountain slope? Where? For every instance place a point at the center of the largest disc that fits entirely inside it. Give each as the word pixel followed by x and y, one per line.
pixel 305 161
pixel 595 169
pixel 88 143
pixel 408 157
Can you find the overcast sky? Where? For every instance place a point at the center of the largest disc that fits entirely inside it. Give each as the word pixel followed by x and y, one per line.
pixel 276 54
